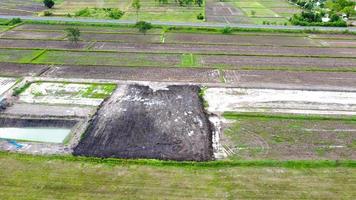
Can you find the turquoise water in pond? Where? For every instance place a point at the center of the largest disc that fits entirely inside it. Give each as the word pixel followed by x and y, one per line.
pixel 52 135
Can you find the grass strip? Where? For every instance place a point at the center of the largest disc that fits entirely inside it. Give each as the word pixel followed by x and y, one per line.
pixel 197 29
pixel 295 164
pixel 237 115
pixel 178 53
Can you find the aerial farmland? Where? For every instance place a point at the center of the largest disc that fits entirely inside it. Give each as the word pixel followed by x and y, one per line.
pixel 103 109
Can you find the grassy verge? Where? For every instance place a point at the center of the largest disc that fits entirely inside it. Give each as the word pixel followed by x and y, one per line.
pixel 36 177
pixel 192 29
pixel 296 164
pixel 236 115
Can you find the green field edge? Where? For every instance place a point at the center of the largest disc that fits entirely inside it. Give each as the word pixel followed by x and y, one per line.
pixel 295 164
pixel 238 115
pixel 175 53
pixel 191 28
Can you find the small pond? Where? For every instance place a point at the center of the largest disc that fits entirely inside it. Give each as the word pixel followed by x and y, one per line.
pixel 51 135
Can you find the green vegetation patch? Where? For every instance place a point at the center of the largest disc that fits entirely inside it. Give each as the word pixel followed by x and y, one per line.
pixel 16 55
pixel 69 90
pixel 190 60
pixel 110 58
pixel 40 177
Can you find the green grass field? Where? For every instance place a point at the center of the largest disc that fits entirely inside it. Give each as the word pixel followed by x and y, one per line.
pixel 30 177
pixel 150 10
pixel 268 12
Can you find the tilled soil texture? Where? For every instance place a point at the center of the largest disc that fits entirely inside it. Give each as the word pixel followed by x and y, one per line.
pixel 306 63
pixel 136 73
pixel 17 70
pixel 129 37
pixel 138 122
pixel 49 44
pixel 291 40
pixel 292 79
pixel 21 7
pixel 224 12
pixel 32 35
pixel 227 49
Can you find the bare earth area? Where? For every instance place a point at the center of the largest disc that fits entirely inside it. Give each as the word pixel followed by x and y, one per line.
pixel 139 122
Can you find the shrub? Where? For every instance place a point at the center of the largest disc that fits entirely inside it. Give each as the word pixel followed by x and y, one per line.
pixel 115 13
pixel 143 26
pixel 47 13
pixel 112 13
pixel 13 21
pixel 73 34
pixel 48 3
pixel 200 16
pixel 226 30
pixel 83 13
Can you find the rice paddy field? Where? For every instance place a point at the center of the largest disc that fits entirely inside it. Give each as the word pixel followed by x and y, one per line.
pixel 149 11
pixel 285 104
pixel 231 11
pixel 276 12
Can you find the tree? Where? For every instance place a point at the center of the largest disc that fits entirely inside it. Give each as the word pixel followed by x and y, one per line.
pixel 143 26
pixel 73 35
pixel 48 3
pixel 136 4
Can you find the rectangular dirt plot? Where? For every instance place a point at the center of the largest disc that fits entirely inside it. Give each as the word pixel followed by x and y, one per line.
pixel 277 62
pixel 291 79
pixel 17 43
pixel 32 35
pixel 104 58
pixel 281 101
pixel 18 70
pixel 238 39
pixel 132 38
pixel 136 73
pixel 142 122
pixel 290 139
pixel 66 93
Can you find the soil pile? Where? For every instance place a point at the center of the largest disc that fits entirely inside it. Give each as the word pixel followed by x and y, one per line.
pixel 138 122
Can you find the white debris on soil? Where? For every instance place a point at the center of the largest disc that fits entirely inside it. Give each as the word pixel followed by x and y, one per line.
pixel 219 151
pixel 59 93
pixel 6 84
pixel 280 101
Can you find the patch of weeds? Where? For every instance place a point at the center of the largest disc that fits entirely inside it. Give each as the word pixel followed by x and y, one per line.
pixel 12 22
pixel 98 91
pixel 202 95
pixel 227 30
pixel 353 144
pixel 37 94
pixel 281 139
pixel 112 13
pixel 18 90
pixel 321 151
pixel 189 60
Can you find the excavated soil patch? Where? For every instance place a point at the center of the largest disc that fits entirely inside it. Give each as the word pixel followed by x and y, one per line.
pixel 22 122
pixel 139 122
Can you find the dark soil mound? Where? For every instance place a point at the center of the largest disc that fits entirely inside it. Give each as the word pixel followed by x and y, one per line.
pixel 167 124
